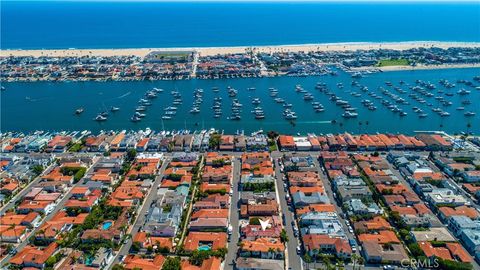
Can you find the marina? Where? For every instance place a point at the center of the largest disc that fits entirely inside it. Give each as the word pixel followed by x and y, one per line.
pixel 415 100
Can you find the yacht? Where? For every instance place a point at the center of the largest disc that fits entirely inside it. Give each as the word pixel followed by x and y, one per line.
pixel 348 114
pixel 234 117
pixel 79 111
pixel 135 118
pixel 308 96
pixel 100 118
pixel 141 115
pixel 114 109
pixel 140 108
pixel 463 92
pixel 469 114
pixel 195 110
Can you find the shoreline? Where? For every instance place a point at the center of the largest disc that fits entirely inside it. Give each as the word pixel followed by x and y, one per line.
pixel 416 68
pixel 210 51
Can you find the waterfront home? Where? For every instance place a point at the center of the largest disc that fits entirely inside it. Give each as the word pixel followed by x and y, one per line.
pixel 257 142
pixel 240 143
pixel 227 143
pixel 435 142
pixel 286 143
pixel 302 143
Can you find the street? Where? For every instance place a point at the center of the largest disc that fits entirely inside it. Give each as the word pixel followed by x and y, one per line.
pixel 140 218
pixel 294 260
pixel 234 217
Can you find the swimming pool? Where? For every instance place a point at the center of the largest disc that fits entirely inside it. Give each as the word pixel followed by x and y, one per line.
pixel 106 225
pixel 204 248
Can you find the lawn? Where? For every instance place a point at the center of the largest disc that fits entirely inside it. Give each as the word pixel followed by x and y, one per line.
pixel 392 62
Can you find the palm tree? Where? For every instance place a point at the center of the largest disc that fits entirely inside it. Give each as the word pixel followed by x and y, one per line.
pixel 354 260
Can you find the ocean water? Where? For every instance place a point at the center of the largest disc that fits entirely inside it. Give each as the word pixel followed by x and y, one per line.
pixel 51 106
pixel 72 24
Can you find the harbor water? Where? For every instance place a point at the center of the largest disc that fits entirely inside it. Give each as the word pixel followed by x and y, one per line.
pixel 51 105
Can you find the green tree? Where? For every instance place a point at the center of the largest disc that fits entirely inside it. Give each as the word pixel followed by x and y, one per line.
pixel 118 267
pixel 272 134
pixel 198 256
pixel 172 263
pixel 214 141
pixel 283 236
pixel 37 169
pixel 131 154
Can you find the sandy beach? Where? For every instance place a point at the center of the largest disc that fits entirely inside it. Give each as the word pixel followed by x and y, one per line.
pixel 208 51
